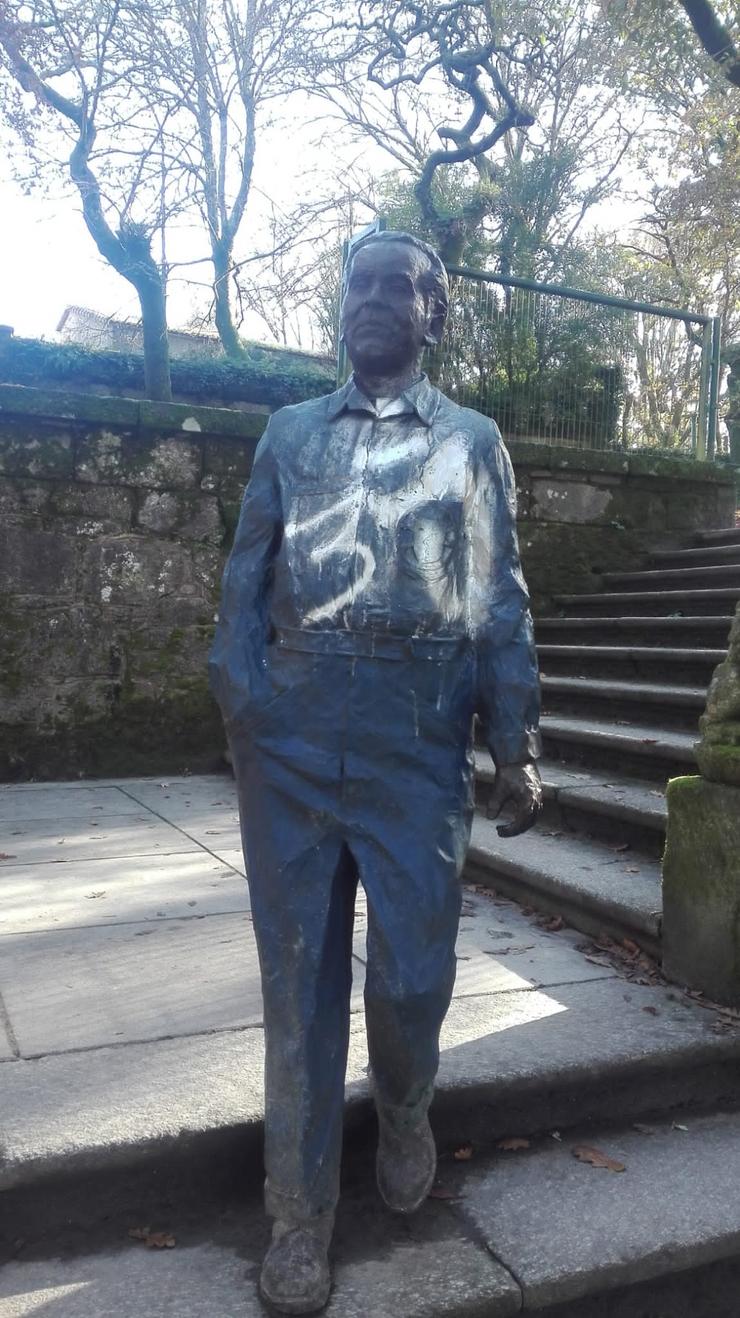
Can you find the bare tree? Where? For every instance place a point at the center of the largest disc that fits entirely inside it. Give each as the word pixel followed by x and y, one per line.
pixel 69 57
pixel 220 66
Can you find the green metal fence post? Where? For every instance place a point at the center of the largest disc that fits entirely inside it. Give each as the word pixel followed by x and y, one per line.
pixel 702 407
pixel 716 371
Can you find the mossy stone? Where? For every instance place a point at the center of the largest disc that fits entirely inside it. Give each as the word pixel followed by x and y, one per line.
pixel 701 888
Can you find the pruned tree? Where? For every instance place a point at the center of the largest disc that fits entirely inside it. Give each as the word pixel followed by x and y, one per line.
pixel 539 135
pixel 70 58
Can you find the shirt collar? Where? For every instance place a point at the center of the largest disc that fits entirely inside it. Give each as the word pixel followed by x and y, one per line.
pixel 421 398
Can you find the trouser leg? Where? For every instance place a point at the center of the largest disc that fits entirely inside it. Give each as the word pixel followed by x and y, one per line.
pixel 303 918
pixel 413 915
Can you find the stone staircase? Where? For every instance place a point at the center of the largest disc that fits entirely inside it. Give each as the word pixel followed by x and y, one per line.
pixel 624 681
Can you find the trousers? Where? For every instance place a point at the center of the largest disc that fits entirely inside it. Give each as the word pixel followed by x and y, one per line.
pixel 355 769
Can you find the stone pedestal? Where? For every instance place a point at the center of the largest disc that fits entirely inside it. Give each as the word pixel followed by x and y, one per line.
pixel 701 888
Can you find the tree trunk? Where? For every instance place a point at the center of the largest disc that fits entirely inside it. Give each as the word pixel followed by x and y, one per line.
pixel 157 382
pixel 139 267
pixel 230 340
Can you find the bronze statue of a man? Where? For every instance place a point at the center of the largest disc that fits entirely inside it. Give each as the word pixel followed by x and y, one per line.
pixel 372 604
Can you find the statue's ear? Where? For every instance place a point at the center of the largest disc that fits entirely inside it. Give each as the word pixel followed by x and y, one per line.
pixel 435 331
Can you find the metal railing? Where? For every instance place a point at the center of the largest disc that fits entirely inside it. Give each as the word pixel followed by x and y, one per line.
pixel 557 365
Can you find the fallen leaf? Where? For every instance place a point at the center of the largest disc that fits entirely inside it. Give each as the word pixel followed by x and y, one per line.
pixel 557 832
pixel 599 961
pixel 512 1144
pixel 555 924
pixel 632 869
pixel 160 1240
pixel 623 846
pixel 439 1192
pixel 595 1158
pixel 651 1011
pixel 555 1135
pixel 676 1125
pixel 4 855
pixel 463 1154
pixel 152 1239
pixel 631 947
pixel 649 741
pixel 92 895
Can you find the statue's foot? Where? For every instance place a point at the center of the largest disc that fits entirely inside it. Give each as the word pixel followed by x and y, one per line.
pixel 295 1274
pixel 406 1164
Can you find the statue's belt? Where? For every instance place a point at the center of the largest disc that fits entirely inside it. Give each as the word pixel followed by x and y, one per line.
pixel 370 645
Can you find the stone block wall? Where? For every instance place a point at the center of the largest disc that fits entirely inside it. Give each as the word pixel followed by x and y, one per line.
pixel 585 513
pixel 115 519
pixel 116 516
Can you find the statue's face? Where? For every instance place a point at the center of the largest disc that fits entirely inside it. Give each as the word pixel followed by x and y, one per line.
pixel 387 313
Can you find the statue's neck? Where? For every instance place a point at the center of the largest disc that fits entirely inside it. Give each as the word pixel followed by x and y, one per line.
pixel 387 385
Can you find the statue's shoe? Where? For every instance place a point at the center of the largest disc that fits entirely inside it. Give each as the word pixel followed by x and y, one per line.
pixel 406 1164
pixel 295 1274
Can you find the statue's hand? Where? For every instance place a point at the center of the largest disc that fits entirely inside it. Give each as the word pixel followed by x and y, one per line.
pixel 518 785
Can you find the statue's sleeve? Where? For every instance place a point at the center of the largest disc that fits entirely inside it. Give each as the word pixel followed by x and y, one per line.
pixel 508 692
pixel 236 664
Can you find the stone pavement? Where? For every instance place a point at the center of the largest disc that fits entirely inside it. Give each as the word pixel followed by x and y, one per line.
pixel 125 920
pixel 131 1042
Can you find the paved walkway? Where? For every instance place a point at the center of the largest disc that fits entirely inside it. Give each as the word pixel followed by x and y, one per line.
pixel 125 919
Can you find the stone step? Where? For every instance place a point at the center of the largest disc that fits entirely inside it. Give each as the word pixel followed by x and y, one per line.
pixel 728 535
pixel 660 1239
pixel 687 665
pixel 643 749
pixel 715 555
pixel 698 630
pixel 720 600
pixel 728 574
pixel 535 1230
pixel 594 888
pixel 675 706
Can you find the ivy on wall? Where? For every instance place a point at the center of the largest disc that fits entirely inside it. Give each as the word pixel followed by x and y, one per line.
pixel 266 376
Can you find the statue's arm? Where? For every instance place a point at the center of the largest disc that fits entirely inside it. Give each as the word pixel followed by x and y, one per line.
pixel 508 692
pixel 237 661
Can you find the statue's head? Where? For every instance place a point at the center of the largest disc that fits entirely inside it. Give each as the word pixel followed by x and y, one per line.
pixel 395 301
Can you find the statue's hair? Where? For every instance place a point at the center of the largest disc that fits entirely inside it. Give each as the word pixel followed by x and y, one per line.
pixel 435 277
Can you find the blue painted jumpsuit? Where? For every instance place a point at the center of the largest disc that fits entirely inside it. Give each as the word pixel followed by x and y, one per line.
pixel 372 603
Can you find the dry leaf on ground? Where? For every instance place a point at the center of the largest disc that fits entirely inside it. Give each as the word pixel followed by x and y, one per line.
pixel 153 1239
pixel 511 1144
pixel 463 1154
pixel 595 1158
pixel 439 1192
pixel 5 856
